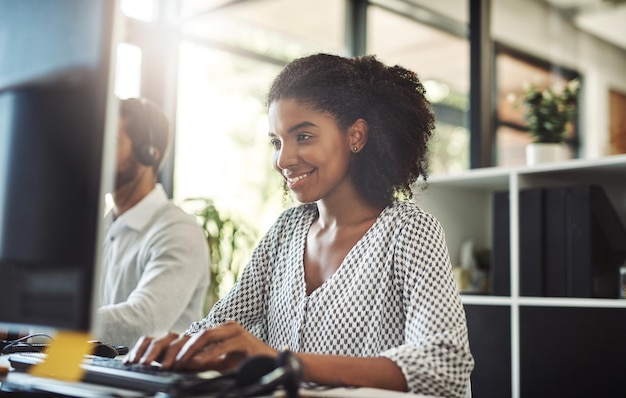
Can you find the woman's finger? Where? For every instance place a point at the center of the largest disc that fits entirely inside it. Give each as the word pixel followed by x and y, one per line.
pixel 223 363
pixel 220 348
pixel 206 340
pixel 138 349
pixel 169 355
pixel 219 356
pixel 156 348
pixel 198 343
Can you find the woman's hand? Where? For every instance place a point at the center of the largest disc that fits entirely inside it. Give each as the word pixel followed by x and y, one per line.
pixel 148 349
pixel 221 348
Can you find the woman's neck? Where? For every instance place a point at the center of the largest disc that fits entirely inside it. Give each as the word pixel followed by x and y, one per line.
pixel 349 210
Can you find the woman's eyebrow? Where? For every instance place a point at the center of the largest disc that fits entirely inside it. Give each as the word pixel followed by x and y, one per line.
pixel 300 125
pixel 295 128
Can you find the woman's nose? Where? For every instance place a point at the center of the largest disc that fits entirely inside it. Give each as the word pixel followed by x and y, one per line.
pixel 285 157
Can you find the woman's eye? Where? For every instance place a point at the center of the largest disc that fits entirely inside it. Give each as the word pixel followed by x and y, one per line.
pixel 303 137
pixel 274 143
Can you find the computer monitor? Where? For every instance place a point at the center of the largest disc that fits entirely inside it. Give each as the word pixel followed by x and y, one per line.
pixel 58 119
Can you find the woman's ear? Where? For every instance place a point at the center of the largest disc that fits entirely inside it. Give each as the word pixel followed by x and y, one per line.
pixel 357 135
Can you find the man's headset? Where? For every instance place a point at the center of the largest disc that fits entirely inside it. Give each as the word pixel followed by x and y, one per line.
pixel 258 375
pixel 146 152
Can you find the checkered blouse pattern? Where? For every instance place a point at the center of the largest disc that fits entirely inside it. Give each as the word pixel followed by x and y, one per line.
pixel 394 295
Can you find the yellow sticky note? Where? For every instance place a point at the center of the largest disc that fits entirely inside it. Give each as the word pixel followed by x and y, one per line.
pixel 64 356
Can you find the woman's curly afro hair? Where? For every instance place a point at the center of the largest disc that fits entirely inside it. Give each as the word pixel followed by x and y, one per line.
pixel 389 98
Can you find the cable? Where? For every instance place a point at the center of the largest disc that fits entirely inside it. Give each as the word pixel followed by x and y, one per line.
pixel 22 345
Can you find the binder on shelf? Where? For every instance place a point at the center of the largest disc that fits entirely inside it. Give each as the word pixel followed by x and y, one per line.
pixel 572 243
pixel 501 245
pixel 595 243
pixel 531 242
pixel 579 242
pixel 555 269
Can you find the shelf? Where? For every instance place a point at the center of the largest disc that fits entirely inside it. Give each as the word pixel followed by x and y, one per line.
pixel 523 338
pixel 571 302
pixel 543 301
pixel 485 300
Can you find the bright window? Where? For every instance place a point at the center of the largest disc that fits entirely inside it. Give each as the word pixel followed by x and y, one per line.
pixel 128 71
pixel 227 62
pixel 142 10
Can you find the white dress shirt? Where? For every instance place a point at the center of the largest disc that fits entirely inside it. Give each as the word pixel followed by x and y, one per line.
pixel 155 272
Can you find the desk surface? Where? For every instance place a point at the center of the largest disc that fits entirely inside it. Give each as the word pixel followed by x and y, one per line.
pixel 90 390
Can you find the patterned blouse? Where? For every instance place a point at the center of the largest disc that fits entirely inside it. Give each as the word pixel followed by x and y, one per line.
pixel 393 296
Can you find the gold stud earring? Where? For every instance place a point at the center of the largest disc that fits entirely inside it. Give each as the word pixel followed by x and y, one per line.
pixel 355 148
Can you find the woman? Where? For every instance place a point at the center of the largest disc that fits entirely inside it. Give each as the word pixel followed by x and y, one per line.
pixel 356 281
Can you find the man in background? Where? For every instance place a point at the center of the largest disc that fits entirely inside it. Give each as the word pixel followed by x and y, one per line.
pixel 155 268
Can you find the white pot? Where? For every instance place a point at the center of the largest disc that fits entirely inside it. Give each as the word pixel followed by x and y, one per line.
pixel 538 153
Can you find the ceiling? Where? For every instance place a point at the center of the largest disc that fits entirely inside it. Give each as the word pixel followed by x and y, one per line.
pixel 605 19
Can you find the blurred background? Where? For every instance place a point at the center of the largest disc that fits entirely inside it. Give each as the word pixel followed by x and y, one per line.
pixel 209 63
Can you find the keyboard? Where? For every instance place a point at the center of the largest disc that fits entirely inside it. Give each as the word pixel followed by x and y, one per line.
pixel 148 379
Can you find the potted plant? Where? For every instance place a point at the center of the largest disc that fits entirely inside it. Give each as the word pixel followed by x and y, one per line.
pixel 549 113
pixel 230 241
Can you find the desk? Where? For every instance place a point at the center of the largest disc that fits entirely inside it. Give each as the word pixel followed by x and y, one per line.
pixel 358 392
pixel 85 390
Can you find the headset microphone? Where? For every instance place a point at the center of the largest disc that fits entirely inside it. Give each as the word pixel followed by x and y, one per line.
pixel 229 384
pixel 288 372
pixel 146 152
pixel 258 375
pixel 253 369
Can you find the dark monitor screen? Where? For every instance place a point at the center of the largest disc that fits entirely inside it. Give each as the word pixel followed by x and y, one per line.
pixel 56 112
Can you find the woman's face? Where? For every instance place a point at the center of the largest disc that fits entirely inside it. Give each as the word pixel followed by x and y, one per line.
pixel 310 151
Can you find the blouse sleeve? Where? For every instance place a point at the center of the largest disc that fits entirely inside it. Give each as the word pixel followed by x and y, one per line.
pixel 435 358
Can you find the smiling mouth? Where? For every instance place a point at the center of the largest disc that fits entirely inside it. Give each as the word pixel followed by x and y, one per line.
pixel 293 182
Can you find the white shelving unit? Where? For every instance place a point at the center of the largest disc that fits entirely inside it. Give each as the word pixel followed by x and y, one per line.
pixel 463 205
